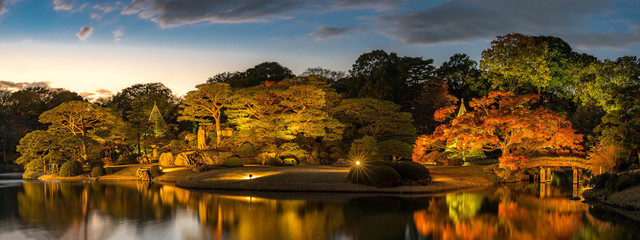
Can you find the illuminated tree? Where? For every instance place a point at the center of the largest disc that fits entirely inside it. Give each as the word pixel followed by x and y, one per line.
pixel 78 118
pixel 380 119
pixel 277 112
pixel 502 121
pixel 516 61
pixel 263 72
pixel 206 102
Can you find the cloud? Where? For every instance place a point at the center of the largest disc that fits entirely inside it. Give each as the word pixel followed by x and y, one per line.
pixel 469 20
pixel 329 32
pixel 379 5
pixel 117 34
pixel 172 13
pixel 102 9
pixel 61 5
pixel 85 32
pixel 95 95
pixel 104 92
pixel 2 8
pixel 15 86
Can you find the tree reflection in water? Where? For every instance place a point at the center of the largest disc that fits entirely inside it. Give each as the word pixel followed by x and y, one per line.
pixel 141 210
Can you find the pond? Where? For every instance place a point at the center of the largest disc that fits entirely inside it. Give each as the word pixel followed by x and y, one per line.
pixel 138 210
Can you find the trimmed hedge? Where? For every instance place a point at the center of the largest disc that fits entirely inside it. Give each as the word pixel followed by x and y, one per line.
pixel 109 170
pixel 97 171
pixel 274 161
pixel 377 176
pixel 234 162
pixel 71 168
pixel 412 170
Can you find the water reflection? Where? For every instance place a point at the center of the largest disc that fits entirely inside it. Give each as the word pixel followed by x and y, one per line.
pixel 137 210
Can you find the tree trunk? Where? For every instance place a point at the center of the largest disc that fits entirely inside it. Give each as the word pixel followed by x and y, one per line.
pixel 218 131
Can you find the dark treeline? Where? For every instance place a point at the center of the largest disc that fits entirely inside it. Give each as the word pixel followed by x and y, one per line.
pixel 384 97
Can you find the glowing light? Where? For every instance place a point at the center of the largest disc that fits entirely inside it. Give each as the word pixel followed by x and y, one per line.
pixel 357 163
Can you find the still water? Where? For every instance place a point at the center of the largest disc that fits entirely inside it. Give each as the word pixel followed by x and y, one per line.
pixel 137 210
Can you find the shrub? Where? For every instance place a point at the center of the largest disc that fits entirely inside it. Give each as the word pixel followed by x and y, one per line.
pixel 234 162
pixel 155 171
pixel 96 163
pixel 97 171
pixel 599 181
pixel 336 149
pixel 247 149
pixel 30 175
pixel 603 158
pixel 625 181
pixel 127 159
pixel 292 150
pixel 290 161
pixel 363 149
pixel 412 171
pixel 71 168
pixel 109 170
pixel 377 176
pixel 274 161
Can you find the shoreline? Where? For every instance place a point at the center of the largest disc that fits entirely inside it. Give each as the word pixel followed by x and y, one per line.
pixel 303 179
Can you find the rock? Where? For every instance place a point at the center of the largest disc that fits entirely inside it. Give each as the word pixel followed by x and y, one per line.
pixel 200 167
pixel 166 159
pixel 264 157
pixel 143 174
pixel 223 156
pixel 182 160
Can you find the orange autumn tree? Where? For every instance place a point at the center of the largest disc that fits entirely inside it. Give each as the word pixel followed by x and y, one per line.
pixel 501 121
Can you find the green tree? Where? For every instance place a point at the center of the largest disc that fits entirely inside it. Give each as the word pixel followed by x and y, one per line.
pixel 284 111
pixel 372 117
pixel 263 72
pixel 379 75
pixel 515 63
pixel 205 103
pixel 134 104
pixel 41 148
pixel 79 118
pixel 462 76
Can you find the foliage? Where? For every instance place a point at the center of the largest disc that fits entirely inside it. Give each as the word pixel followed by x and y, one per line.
pixel 515 61
pixel 394 149
pixel 292 149
pixel 377 118
pixel 363 149
pixel 274 161
pixel 127 159
pixel 432 96
pixel 33 169
pixel 603 158
pixel 263 72
pixel 234 162
pixel 247 149
pixel 109 170
pixel 38 145
pixel 155 171
pixel 283 112
pixel 512 162
pixel 612 182
pixel 506 122
pixel 97 171
pixel 377 176
pixel 207 102
pixel 96 163
pixel 463 78
pixel 71 168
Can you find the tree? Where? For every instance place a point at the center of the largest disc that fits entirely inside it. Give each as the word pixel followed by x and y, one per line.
pixel 78 118
pixel 330 75
pixel 283 112
pixel 506 122
pixel 377 74
pixel 614 86
pixel 433 96
pixel 135 104
pixel 372 117
pixel 462 76
pixel 205 103
pixel 38 149
pixel 516 62
pixel 263 72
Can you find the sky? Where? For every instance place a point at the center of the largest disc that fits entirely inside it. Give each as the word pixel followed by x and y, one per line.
pixel 97 47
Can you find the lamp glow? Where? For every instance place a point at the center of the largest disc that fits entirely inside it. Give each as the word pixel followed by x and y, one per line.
pixel 357 163
pixel 250 176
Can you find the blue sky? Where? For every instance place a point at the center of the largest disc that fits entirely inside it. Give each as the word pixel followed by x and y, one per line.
pixel 93 46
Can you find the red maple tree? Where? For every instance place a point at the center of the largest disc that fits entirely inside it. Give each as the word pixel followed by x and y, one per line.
pixel 502 121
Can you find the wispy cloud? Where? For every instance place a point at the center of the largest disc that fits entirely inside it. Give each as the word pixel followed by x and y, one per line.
pixel 99 10
pixel 380 5
pixel 329 32
pixel 15 86
pixel 117 34
pixel 172 13
pixel 85 32
pixel 95 95
pixel 469 20
pixel 61 5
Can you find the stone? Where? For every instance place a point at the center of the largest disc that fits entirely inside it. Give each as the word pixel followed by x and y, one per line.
pixel 166 159
pixel 182 160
